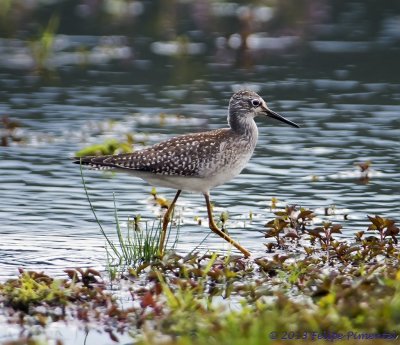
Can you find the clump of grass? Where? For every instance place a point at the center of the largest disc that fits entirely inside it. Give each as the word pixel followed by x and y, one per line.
pixel 127 250
pixel 138 246
pixel 42 47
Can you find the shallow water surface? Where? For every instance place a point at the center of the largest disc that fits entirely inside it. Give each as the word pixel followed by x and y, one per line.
pixel 336 75
pixel 46 222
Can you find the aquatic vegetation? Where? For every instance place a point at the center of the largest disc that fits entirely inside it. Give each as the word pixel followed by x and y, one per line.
pixel 386 227
pixel 346 301
pixel 133 248
pixel 223 218
pixel 160 200
pixel 288 223
pixel 310 285
pixel 138 247
pixel 35 298
pixel 215 299
pixel 324 234
pixel 274 203
pixel 365 171
pixel 42 47
pixel 33 288
pixel 109 147
pixel 9 131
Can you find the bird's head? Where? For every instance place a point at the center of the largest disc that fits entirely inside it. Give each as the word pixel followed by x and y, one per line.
pixel 245 103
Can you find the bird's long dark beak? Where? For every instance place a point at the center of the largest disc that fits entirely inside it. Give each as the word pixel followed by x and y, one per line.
pixel 276 116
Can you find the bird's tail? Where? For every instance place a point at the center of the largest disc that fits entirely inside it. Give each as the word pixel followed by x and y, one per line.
pixel 94 162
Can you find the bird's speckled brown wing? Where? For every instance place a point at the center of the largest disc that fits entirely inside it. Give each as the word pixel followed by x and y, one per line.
pixel 186 155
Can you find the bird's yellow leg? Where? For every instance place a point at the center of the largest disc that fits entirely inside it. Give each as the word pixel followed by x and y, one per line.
pixel 166 220
pixel 218 231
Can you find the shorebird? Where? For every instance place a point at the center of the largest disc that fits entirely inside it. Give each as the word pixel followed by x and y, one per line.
pixel 197 162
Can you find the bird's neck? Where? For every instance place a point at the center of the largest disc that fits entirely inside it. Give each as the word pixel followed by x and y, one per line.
pixel 243 125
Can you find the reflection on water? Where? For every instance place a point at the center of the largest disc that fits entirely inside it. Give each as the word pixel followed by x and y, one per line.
pixel 68 334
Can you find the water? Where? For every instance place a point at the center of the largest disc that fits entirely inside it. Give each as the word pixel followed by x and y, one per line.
pixel 345 95
pixel 158 69
pixel 46 221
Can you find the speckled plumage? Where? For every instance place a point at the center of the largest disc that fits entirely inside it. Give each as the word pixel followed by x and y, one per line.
pixel 208 159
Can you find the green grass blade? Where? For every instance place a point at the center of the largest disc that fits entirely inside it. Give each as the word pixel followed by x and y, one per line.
pixel 119 232
pixel 110 243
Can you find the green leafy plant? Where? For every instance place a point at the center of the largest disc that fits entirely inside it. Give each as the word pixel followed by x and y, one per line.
pixel 33 288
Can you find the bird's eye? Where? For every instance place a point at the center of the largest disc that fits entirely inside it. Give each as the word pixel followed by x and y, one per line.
pixel 255 102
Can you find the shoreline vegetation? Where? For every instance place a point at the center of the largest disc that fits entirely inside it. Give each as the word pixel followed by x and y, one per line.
pixel 309 286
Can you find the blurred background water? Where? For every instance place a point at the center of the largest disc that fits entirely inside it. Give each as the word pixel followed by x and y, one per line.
pixel 75 73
